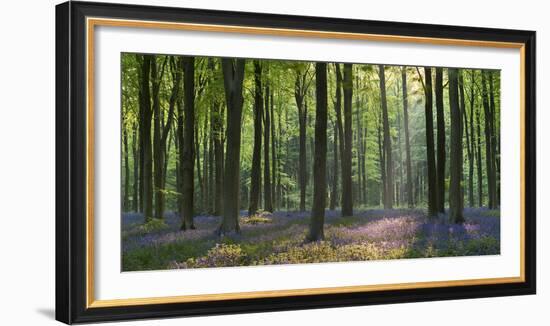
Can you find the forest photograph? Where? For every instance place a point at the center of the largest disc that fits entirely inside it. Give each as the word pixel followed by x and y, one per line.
pixel 245 162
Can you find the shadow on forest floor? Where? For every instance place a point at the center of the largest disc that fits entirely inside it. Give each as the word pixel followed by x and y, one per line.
pixel 278 238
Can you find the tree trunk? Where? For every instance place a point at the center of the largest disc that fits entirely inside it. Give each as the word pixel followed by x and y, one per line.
pixel 299 94
pixel 388 203
pixel 316 231
pixel 233 76
pixel 187 163
pixel 218 159
pixel 381 160
pixel 180 145
pixel 268 203
pixel 430 152
pixel 455 188
pixel 255 175
pixel 469 137
pixel 407 143
pixel 335 171
pixel 126 201
pixel 347 189
pixel 399 187
pixel 488 142
pixel 135 155
pixel 493 140
pixel 479 162
pixel 364 160
pixel 441 155
pixel 211 178
pixel 197 157
pixel 145 104
pixel 339 124
pixel 205 164
pixel 157 156
pixel 273 152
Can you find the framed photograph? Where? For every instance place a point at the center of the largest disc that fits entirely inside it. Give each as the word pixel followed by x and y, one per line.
pixel 212 162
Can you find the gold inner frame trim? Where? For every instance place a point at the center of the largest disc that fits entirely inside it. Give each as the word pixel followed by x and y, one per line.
pixel 92 22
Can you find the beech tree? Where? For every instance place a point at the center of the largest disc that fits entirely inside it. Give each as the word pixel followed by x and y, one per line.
pixel 233 74
pixel 316 230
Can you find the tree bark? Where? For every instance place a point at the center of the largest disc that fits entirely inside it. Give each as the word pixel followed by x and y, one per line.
pixel 126 201
pixel 430 152
pixel 158 154
pixel 479 160
pixel 388 203
pixel 300 90
pixel 145 106
pixel 488 142
pixel 255 175
pixel 273 154
pixel 441 155
pixel 347 189
pixel 187 163
pixel 469 138
pixel 135 155
pixel 233 76
pixel 268 203
pixel 455 188
pixel 335 171
pixel 316 230
pixel 493 140
pixel 407 142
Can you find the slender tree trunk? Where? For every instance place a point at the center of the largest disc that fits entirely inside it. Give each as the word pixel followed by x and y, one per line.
pixel 347 189
pixel 158 163
pixel 472 131
pixel 388 203
pixel 430 152
pixel 479 161
pixel 255 175
pixel 145 102
pixel 441 155
pixel 218 158
pixel 135 155
pixel 399 186
pixel 187 163
pixel 126 201
pixel 339 125
pixel 455 189
pixel 233 75
pixel 407 143
pixel 488 142
pixel 268 203
pixel 211 178
pixel 279 160
pixel 469 137
pixel 358 141
pixel 158 146
pixel 335 172
pixel 180 145
pixel 382 160
pixel 273 157
pixel 197 157
pixel 364 160
pixel 316 230
pixel 299 94
pixel 205 165
pixel 493 139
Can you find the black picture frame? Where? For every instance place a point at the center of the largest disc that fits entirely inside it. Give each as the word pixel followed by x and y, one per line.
pixel 71 157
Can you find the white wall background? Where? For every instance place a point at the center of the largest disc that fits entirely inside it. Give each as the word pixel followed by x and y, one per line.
pixel 27 163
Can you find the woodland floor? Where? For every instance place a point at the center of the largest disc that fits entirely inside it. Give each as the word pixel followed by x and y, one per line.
pixel 278 238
